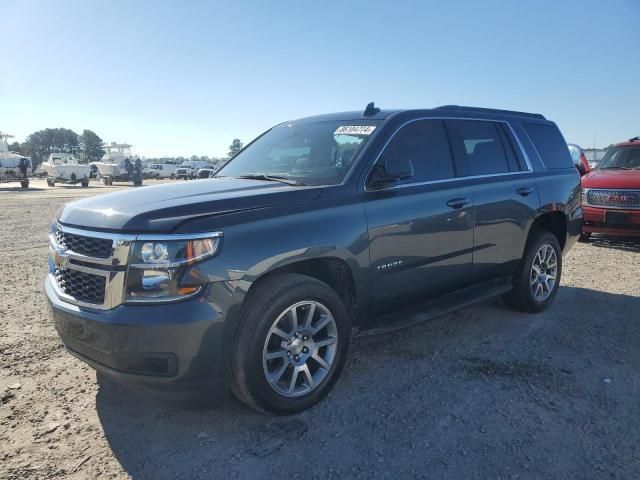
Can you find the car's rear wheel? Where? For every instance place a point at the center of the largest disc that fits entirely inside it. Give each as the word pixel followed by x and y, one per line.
pixel 291 346
pixel 536 282
pixel 584 237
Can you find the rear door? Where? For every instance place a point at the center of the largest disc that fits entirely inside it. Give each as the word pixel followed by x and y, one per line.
pixel 503 190
pixel 420 229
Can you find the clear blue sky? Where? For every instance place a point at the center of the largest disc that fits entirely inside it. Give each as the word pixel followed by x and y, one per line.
pixel 187 77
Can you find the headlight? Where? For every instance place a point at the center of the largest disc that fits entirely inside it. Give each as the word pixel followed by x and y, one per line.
pixel 157 266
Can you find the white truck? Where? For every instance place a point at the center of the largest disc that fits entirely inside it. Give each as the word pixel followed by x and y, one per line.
pixel 189 170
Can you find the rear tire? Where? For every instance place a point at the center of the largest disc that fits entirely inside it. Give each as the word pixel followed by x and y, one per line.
pixel 85 184
pixel 24 183
pixel 315 358
pixel 536 282
pixel 584 237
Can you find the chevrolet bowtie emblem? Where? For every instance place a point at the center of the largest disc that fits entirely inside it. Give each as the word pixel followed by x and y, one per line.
pixel 60 259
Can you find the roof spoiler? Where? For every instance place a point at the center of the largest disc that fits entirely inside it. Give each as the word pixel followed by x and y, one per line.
pixel 491 110
pixel 634 139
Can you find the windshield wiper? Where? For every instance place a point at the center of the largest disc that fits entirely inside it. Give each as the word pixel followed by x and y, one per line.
pixel 271 178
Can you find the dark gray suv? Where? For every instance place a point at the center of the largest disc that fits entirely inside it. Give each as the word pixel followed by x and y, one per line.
pixel 256 280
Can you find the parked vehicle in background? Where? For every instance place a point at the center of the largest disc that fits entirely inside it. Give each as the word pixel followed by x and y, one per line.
pixel 160 170
pixel 13 166
pixel 118 165
pixel 579 159
pixel 321 228
pixel 206 172
pixel 189 170
pixel 611 193
pixel 65 168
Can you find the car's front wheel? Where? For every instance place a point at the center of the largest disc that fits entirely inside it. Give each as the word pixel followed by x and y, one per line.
pixel 536 282
pixel 292 344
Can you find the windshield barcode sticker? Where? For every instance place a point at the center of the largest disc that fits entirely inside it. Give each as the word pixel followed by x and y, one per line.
pixel 355 130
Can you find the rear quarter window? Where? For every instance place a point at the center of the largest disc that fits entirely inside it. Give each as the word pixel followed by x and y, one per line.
pixel 550 145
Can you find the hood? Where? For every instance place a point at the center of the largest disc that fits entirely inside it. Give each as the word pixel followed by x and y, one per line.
pixel 611 179
pixel 161 208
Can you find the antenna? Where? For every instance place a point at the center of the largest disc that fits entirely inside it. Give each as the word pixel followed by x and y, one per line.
pixel 370 110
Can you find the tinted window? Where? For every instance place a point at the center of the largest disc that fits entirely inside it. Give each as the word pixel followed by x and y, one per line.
pixel 550 145
pixel 481 146
pixel 425 144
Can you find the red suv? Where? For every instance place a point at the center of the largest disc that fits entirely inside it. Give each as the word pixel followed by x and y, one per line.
pixel 611 193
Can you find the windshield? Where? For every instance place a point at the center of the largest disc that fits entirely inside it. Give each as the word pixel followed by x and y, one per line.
pixel 625 158
pixel 318 153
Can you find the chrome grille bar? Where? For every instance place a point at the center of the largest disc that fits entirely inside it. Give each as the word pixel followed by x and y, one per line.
pixel 612 198
pixel 111 268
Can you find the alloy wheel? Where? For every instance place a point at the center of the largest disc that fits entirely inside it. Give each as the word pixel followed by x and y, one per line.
pixel 300 348
pixel 544 272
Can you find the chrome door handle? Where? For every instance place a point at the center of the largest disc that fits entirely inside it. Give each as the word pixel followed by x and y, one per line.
pixel 458 203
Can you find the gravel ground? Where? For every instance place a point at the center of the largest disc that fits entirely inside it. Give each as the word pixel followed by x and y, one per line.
pixel 482 393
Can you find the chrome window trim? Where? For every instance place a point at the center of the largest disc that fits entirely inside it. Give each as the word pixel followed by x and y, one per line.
pixel 114 294
pixel 585 202
pixel 452 179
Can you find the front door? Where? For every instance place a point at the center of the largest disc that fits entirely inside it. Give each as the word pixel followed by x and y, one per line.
pixel 420 228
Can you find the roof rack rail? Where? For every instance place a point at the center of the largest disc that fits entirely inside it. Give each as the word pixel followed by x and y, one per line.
pixel 491 110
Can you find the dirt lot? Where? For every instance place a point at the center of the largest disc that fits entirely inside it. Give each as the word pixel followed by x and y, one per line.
pixel 483 393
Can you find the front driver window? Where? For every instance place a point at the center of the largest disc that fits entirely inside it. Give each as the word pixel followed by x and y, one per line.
pixel 425 144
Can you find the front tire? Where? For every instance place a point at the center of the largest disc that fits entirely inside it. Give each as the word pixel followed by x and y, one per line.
pixel 291 346
pixel 536 282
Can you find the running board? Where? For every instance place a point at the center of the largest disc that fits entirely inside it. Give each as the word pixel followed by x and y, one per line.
pixel 437 307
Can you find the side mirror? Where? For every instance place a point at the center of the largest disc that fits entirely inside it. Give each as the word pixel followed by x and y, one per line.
pixel 390 171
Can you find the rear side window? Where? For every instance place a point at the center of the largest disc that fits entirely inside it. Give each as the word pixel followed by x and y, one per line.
pixel 425 143
pixel 550 145
pixel 480 146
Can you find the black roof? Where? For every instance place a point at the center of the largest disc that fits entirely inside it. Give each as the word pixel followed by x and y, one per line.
pixel 382 114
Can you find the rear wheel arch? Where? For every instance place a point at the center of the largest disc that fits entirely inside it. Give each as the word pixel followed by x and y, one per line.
pixel 554 222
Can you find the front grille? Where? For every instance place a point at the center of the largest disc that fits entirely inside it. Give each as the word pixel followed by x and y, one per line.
pixel 82 286
pixel 614 198
pixel 89 246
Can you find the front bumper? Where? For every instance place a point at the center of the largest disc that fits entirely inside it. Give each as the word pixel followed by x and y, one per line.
pixel 611 221
pixel 173 351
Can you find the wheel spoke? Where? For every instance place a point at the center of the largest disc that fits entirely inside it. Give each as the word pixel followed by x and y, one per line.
pixel 325 342
pixel 281 334
pixel 278 375
pixel 307 373
pixel 294 319
pixel 324 320
pixel 311 310
pixel 273 355
pixel 539 291
pixel 294 379
pixel 321 361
